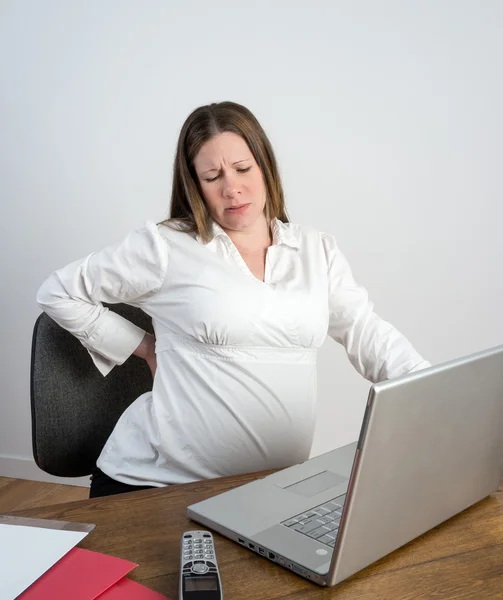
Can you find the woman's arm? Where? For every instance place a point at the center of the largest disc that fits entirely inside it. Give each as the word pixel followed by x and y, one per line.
pixel 376 349
pixel 146 350
pixel 128 272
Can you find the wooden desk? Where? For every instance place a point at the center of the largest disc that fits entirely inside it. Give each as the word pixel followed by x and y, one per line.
pixel 462 558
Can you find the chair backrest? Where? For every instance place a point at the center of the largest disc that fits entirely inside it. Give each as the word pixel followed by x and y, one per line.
pixel 73 407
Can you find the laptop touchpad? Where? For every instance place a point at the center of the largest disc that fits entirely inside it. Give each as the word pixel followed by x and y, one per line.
pixel 316 484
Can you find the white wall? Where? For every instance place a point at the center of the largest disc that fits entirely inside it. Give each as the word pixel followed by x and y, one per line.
pixel 386 120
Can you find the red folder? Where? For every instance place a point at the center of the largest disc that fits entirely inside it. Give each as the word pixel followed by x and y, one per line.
pixel 127 589
pixel 79 575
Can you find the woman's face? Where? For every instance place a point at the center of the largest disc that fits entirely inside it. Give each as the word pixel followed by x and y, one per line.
pixel 231 182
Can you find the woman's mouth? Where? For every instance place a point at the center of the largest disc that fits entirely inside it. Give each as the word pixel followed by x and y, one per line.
pixel 238 209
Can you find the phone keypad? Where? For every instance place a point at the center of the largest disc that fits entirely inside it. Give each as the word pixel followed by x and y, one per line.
pixel 198 552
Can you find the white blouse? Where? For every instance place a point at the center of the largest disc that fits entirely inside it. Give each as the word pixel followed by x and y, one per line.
pixel 235 387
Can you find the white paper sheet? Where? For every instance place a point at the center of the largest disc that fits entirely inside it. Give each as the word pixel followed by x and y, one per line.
pixel 26 553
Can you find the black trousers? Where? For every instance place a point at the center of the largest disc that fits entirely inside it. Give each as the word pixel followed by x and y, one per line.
pixel 103 485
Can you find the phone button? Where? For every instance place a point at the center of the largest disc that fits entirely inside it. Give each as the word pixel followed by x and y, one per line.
pixel 199 569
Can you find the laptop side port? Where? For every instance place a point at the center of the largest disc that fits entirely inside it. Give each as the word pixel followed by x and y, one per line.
pixel 261 551
pixel 271 556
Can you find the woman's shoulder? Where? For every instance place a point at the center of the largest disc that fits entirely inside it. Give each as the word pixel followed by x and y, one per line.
pixel 177 234
pixel 174 227
pixel 299 235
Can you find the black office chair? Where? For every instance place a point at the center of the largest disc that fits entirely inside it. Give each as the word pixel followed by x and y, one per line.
pixel 73 407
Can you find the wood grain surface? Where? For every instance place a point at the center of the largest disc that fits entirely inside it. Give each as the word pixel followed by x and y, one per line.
pixel 18 494
pixel 460 559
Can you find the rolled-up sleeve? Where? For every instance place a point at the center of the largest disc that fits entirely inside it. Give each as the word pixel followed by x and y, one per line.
pixel 129 272
pixel 376 349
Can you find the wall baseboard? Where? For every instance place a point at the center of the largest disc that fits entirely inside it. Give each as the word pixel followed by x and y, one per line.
pixel 19 467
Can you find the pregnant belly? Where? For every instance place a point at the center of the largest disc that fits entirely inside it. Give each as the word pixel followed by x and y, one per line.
pixel 235 417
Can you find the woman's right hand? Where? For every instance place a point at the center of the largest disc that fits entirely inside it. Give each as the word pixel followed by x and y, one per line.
pixel 146 350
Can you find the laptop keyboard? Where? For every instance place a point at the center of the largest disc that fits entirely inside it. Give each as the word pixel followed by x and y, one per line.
pixel 321 523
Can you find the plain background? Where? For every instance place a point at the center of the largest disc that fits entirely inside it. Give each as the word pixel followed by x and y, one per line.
pixel 386 121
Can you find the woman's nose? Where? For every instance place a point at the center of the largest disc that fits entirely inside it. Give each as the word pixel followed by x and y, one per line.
pixel 230 187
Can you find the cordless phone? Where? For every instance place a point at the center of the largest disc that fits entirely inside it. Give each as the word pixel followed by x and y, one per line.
pixel 199 575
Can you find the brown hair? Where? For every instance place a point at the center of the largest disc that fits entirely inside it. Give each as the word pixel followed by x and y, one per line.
pixel 187 205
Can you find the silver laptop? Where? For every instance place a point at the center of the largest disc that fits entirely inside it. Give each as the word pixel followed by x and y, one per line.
pixel 431 445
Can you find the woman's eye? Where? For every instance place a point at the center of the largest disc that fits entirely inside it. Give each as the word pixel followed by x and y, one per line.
pixel 242 170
